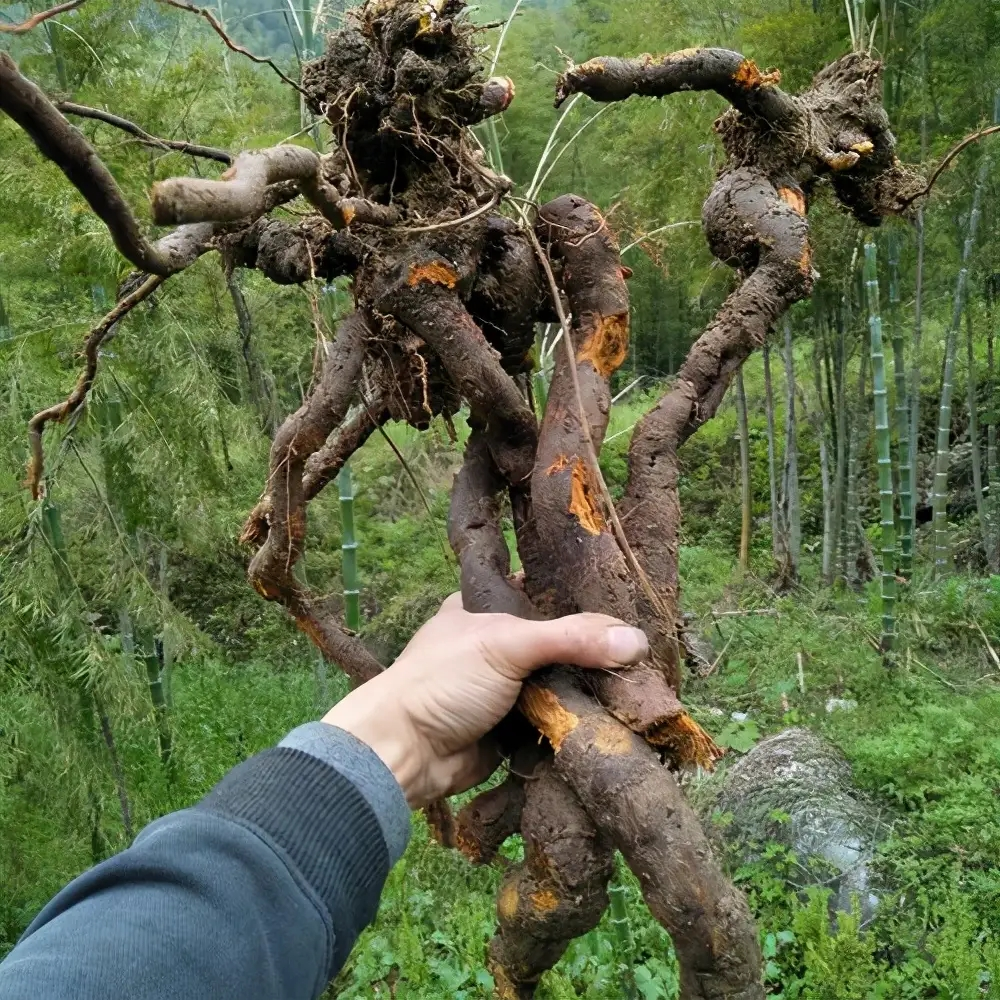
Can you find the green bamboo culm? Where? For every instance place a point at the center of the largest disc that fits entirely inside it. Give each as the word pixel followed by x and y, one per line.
pixel 154 663
pixel 621 930
pixel 942 460
pixel 349 547
pixel 883 439
pixel 902 413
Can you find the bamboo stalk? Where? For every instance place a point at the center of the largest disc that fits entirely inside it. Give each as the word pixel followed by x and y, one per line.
pixel 939 498
pixel 157 695
pixel 841 445
pixel 349 549
pixel 883 436
pixel 918 308
pixel 622 931
pixel 977 458
pixel 792 507
pixel 992 468
pixel 902 413
pixel 776 534
pixel 744 435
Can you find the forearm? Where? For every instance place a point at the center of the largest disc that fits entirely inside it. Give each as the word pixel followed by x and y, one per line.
pixel 259 891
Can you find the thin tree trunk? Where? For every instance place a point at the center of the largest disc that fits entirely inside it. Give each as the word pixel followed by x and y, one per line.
pixel 260 385
pixel 792 509
pixel 902 414
pixel 977 458
pixel 942 541
pixel 819 427
pixel 744 434
pixel 883 437
pixel 840 475
pixel 776 533
pixel 116 766
pixel 992 468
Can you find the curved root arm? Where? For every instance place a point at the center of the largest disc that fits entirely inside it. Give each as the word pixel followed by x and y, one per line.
pixel 489 819
pixel 302 434
pixel 728 73
pixel 72 403
pixel 557 894
pixel 322 467
pixel 636 803
pixel 241 192
pixel 70 151
pixel 753 225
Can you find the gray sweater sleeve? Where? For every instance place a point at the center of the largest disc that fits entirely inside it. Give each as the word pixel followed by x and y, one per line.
pixel 258 892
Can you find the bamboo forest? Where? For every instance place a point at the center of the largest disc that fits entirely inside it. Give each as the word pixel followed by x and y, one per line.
pixel 683 312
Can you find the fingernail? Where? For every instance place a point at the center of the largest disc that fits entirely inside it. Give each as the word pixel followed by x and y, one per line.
pixel 627 645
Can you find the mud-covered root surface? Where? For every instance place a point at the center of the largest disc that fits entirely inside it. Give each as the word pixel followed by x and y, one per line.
pixel 557 894
pixel 399 83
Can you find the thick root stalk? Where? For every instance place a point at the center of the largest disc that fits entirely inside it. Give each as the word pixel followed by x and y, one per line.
pixel 557 894
pixel 571 524
pixel 637 804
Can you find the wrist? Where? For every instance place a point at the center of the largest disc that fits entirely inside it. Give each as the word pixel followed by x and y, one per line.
pixel 390 738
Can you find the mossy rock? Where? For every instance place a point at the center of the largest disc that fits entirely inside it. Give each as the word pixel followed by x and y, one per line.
pixel 795 789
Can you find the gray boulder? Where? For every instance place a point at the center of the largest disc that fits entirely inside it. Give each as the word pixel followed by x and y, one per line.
pixel 795 789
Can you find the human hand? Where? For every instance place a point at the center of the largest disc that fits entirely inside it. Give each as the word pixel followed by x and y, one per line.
pixel 426 715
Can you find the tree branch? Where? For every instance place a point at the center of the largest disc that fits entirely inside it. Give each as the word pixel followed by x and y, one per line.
pixel 230 44
pixel 951 154
pixel 91 349
pixel 191 149
pixel 36 19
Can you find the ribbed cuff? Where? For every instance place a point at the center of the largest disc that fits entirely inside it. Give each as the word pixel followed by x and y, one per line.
pixel 324 824
pixel 358 762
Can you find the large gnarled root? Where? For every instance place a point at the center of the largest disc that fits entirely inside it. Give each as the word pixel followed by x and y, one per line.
pixel 557 894
pixel 636 803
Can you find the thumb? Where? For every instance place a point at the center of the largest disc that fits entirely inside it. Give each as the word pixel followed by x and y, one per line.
pixel 586 640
